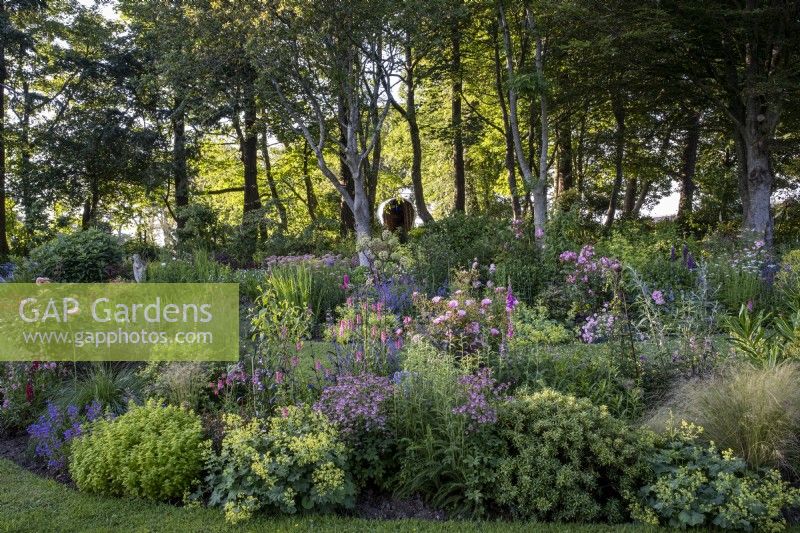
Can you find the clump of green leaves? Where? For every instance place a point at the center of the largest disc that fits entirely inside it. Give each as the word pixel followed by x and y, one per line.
pixel 83 257
pixel 567 460
pixel 386 256
pixel 150 452
pixel 297 462
pixel 697 486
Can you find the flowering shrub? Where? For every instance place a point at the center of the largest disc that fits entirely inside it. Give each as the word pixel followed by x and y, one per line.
pixel 358 406
pixel 591 280
pixel 697 486
pixel 52 434
pixel 462 324
pixel 150 452
pixel 297 462
pixel 482 396
pixel 366 338
pixel 24 388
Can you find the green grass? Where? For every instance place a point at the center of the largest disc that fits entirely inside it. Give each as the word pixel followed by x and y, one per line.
pixel 31 503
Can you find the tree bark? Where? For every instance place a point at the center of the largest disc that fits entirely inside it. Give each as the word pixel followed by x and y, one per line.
pixel 179 170
pixel 283 220
pixel 311 197
pixel 455 116
pixel 249 153
pixel 619 157
pixel 565 175
pixel 410 114
pixel 511 166
pixel 540 188
pixel 4 249
pixel 688 167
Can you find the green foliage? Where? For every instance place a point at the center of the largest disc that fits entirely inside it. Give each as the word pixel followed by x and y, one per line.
pixel 184 384
pixel 82 257
pixel 765 340
pixel 296 463
pixel 739 287
pixel 25 389
pixel 307 287
pixel 787 281
pixel 532 326
pixel 200 229
pixel 150 452
pixel 386 256
pixel 114 385
pixel 202 268
pixel 441 455
pixel 753 411
pixel 697 486
pixel 566 460
pixel 590 371
pixel 453 243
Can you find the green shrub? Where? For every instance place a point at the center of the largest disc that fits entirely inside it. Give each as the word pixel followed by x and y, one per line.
pixel 201 269
pixel 697 486
pixel 453 243
pixel 443 456
pixel 787 281
pixel 753 411
pixel 566 460
pixel 150 452
pixel 111 384
pixel 297 462
pixel 532 326
pixel 306 287
pixel 183 384
pixel 591 371
pixel 82 257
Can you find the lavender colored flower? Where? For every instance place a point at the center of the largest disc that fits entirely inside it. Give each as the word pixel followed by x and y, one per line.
pixel 356 403
pixel 482 393
pixel 658 297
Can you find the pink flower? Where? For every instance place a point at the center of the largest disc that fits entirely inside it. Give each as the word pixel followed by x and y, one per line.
pixel 317 365
pixel 452 304
pixel 469 303
pixel 486 302
pixel 346 282
pixel 406 320
pixel 495 332
pixel 436 299
pixel 539 233
pixel 278 377
pixel 295 361
pixel 462 313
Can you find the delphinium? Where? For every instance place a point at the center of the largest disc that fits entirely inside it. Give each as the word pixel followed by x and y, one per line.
pixel 53 432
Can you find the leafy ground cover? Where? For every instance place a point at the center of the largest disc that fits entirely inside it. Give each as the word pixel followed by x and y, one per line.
pixel 31 503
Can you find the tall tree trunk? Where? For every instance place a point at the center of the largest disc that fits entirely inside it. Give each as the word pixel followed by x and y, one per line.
pixel 179 171
pixel 348 224
pixel 311 197
pixel 565 175
pixel 249 149
pixel 688 166
pixel 4 250
pixel 540 189
pixel 89 216
pixel 455 115
pixel 631 193
pixel 283 220
pixel 416 143
pixel 511 166
pixel 619 157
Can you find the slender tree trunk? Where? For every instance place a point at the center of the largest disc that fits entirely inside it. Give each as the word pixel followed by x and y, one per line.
pixel 511 166
pixel 416 142
pixel 688 166
pixel 455 116
pixel 89 215
pixel 249 148
pixel 311 197
pixel 273 189
pixel 348 224
pixel 179 171
pixel 540 189
pixel 565 175
pixel 4 249
pixel 619 157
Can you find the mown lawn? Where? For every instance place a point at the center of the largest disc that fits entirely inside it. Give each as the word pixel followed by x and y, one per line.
pixel 31 503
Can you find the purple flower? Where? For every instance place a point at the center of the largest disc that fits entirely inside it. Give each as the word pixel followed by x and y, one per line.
pixel 357 403
pixel 658 297
pixel 482 393
pixel 452 304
